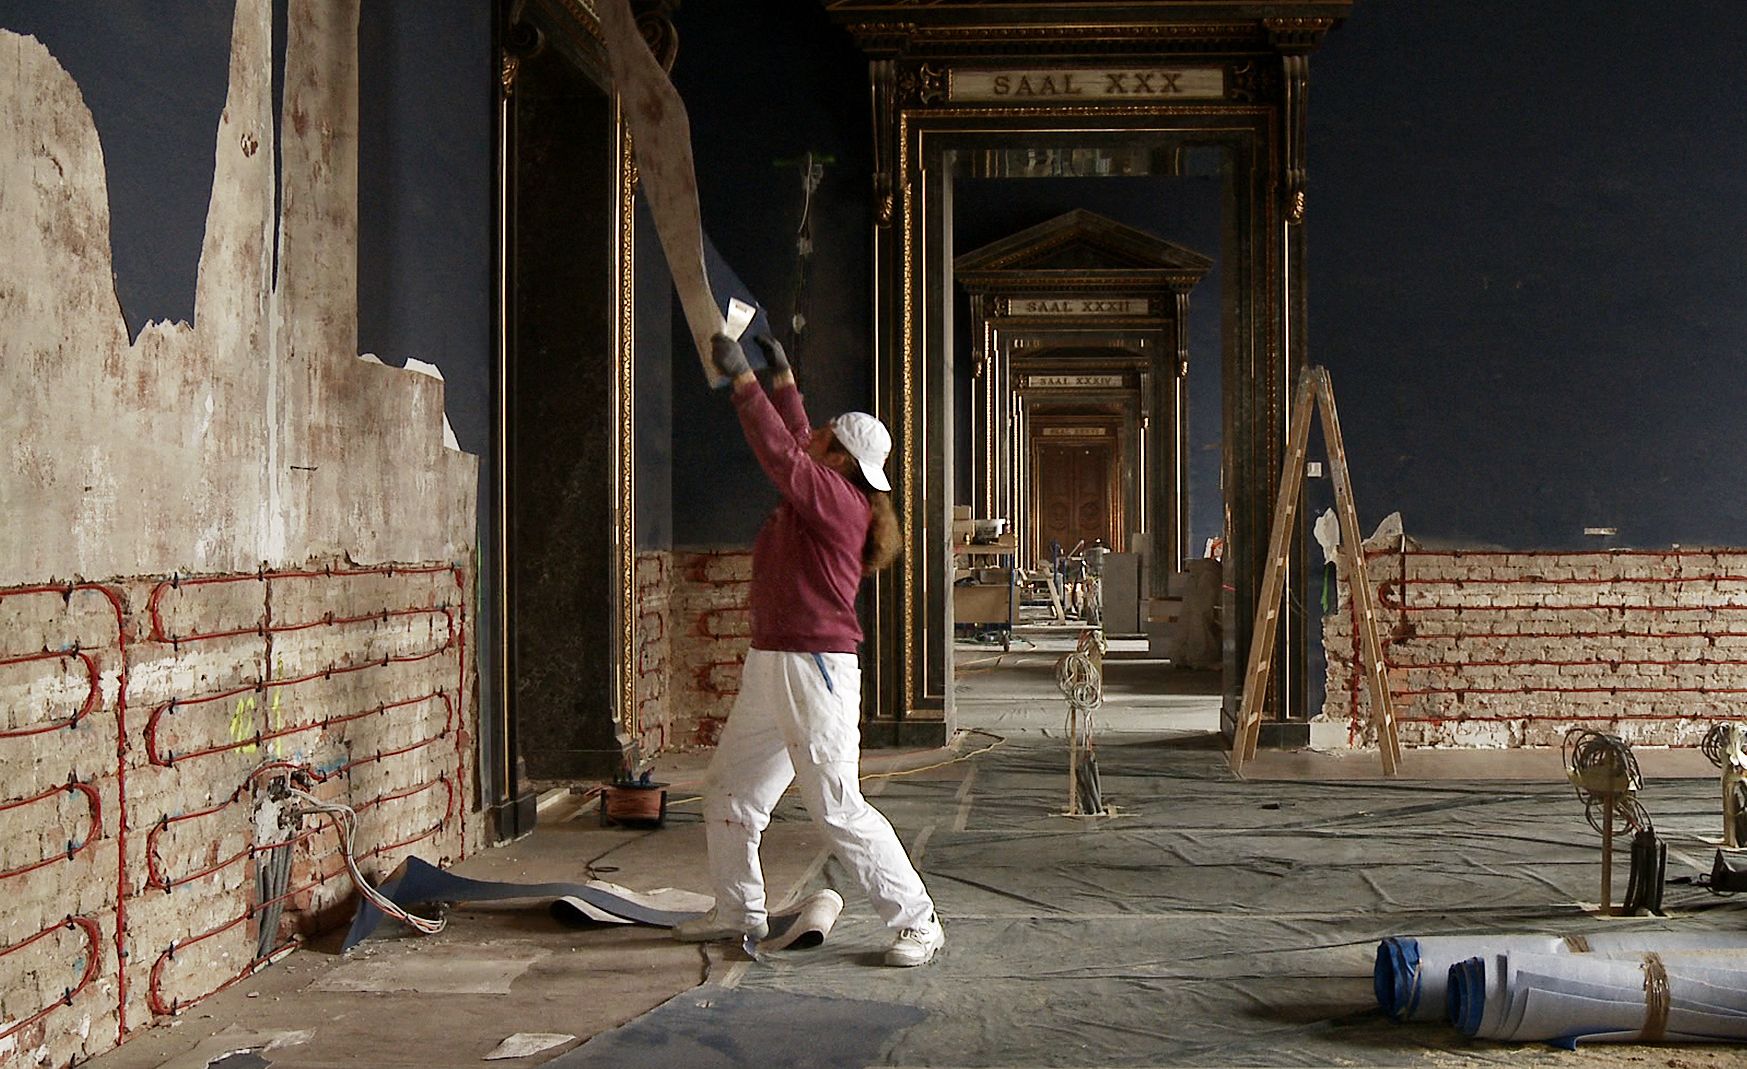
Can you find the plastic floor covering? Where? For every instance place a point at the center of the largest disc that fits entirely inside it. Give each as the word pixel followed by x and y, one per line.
pixel 1211 923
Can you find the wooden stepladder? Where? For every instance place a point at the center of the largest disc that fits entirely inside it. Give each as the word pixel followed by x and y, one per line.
pixel 1314 392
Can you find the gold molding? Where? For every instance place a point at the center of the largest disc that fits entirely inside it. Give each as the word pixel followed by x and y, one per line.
pixel 906 365
pixel 625 526
pixel 1259 122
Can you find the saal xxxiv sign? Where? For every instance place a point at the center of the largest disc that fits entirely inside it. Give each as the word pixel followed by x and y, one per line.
pixel 1089 85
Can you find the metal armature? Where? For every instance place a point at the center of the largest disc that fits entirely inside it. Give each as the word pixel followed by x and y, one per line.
pixel 1080 675
pixel 1724 746
pixel 1604 772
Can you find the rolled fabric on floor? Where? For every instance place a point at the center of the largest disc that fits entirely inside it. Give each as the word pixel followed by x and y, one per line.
pixel 1680 997
pixel 1412 973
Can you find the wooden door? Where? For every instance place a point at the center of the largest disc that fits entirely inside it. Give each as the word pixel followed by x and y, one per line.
pixel 1074 496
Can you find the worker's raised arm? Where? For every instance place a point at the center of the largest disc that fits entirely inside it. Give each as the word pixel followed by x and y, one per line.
pixel 783 392
pixel 817 493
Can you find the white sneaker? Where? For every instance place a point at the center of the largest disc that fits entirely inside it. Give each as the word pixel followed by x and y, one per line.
pixel 708 928
pixel 916 946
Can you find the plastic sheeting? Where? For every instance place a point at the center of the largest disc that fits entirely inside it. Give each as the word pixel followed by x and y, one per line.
pixel 1211 922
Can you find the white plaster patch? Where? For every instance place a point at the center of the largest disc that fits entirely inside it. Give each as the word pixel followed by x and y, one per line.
pixel 202 421
pixel 94 519
pixel 423 368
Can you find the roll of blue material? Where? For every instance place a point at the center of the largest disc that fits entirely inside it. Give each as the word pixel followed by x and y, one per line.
pixel 1396 976
pixel 1465 995
pixel 1411 972
pixel 1632 984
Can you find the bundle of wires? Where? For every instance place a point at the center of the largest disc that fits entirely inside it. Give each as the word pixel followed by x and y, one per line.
pixel 1081 681
pixel 345 820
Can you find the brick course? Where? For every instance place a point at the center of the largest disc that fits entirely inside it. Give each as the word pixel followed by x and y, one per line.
pixel 1513 648
pixel 712 629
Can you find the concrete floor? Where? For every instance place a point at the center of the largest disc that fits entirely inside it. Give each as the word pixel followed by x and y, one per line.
pixel 507 969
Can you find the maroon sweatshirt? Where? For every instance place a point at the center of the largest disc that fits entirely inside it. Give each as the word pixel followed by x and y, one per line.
pixel 806 562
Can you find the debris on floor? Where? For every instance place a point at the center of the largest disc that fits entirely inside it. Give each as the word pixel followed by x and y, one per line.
pixel 522 1044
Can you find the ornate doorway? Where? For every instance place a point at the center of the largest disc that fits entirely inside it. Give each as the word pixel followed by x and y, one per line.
pixel 964 89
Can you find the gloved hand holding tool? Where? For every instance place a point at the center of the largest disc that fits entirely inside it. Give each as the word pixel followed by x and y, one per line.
pixel 729 358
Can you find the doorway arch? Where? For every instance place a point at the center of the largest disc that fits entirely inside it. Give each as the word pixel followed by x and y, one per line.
pixel 957 87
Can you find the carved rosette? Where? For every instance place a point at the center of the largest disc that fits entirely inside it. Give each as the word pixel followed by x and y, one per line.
pixel 922 84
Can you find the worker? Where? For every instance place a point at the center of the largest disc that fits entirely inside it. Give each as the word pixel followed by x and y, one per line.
pixel 797 716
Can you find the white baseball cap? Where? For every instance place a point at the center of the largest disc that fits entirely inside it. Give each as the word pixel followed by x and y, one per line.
pixel 868 441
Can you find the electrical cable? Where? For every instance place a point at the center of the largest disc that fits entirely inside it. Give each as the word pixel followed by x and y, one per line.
pixel 345 819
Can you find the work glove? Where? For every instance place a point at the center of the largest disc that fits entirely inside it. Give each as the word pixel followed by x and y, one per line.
pixel 729 358
pixel 778 359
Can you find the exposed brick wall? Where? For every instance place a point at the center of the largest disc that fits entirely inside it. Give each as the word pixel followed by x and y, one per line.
pixel 141 722
pixel 654 651
pixel 1496 648
pixel 712 628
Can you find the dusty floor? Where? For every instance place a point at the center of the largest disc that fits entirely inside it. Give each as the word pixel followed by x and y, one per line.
pixel 1213 922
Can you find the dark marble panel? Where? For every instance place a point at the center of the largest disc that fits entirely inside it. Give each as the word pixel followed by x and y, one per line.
pixel 560 553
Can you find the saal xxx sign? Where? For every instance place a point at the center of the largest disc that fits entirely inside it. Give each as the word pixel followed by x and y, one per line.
pixel 1090 85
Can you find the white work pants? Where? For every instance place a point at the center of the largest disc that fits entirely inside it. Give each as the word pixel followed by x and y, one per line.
pixel 796 719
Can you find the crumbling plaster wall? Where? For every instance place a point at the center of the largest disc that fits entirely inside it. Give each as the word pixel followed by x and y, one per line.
pixel 229 546
pixel 1505 648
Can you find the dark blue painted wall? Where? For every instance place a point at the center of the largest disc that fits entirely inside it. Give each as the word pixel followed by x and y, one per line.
pixel 1527 225
pixel 425 219
pixel 653 337
pixel 155 77
pixel 760 90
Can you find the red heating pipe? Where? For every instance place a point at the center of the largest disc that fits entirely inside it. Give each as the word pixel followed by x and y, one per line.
pixel 92 833
pixel 94 691
pixel 154 990
pixel 177 582
pixel 167 760
pixel 93 954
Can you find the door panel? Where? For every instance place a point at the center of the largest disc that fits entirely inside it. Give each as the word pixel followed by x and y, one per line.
pixel 1073 495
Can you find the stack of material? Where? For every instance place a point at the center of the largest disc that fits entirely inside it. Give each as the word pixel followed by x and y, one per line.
pixel 1646 986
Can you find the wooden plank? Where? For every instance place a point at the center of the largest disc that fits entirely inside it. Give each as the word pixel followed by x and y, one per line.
pixel 1358 578
pixel 1248 730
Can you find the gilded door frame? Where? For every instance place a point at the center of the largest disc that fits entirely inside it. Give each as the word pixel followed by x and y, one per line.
pixel 912 625
pixel 571 27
